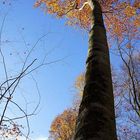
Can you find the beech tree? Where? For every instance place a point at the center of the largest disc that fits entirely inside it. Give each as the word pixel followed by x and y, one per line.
pixel 96 119
pixel 63 126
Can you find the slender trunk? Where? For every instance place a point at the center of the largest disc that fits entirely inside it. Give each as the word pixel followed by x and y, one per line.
pixel 96 119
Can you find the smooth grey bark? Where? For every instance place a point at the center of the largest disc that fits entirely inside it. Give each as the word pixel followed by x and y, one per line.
pixel 96 119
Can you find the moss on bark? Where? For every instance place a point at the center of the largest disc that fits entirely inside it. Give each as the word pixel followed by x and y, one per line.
pixel 96 119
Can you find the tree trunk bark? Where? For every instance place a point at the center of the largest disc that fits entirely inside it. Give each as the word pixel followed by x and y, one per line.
pixel 96 119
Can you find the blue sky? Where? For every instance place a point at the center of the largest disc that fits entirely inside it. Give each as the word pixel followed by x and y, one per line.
pixel 55 81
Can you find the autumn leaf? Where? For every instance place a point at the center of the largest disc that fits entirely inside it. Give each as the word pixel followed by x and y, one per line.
pixel 130 11
pixel 119 16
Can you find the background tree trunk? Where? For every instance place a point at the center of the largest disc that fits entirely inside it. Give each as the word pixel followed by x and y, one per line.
pixel 96 119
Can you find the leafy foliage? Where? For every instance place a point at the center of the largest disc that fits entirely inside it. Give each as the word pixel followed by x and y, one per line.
pixel 63 126
pixel 80 83
pixel 11 131
pixel 120 16
pixel 122 19
pixel 128 122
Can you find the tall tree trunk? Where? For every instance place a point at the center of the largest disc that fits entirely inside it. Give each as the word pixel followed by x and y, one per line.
pixel 96 119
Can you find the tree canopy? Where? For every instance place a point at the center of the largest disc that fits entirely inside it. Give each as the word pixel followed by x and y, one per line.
pixel 120 17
